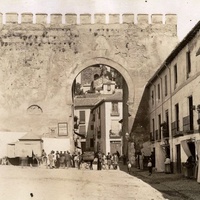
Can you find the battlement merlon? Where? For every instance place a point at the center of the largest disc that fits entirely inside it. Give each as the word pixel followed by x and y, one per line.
pixel 171 19
pixel 26 18
pixel 157 19
pixel 143 19
pixel 114 18
pixel 128 18
pixel 41 18
pixel 72 18
pixel 85 19
pixel 99 18
pixel 56 18
pixel 12 18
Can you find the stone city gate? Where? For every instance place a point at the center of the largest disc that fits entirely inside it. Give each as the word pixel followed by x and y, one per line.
pixel 41 55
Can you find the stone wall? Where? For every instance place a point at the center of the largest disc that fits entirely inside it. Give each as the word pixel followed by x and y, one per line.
pixel 40 56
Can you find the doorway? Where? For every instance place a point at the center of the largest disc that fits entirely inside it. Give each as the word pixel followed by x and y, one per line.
pixel 115 146
pixel 178 158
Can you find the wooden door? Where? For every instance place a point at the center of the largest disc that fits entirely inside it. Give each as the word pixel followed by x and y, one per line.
pixel 115 146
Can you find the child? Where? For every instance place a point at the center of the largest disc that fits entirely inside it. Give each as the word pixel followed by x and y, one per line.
pixel 149 165
pixel 129 166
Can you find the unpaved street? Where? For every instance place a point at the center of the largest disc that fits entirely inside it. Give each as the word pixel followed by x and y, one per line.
pixel 61 184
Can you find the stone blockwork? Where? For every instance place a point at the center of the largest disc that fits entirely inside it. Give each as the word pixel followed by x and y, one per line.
pixel 39 62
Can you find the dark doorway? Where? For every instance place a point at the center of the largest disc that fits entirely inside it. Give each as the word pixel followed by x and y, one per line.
pixel 83 146
pixel 191 146
pixel 190 99
pixel 115 146
pixel 178 158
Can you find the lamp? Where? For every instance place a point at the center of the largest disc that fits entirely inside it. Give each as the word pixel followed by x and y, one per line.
pixel 127 136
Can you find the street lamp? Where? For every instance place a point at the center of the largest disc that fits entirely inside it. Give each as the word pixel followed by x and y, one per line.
pixel 127 136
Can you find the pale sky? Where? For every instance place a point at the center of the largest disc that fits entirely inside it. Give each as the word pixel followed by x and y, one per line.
pixel 188 11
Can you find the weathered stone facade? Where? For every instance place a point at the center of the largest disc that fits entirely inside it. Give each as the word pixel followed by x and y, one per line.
pixel 39 62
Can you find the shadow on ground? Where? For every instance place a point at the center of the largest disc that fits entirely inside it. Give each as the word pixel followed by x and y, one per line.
pixel 172 186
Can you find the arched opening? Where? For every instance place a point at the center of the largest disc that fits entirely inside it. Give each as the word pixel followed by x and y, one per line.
pixel 102 94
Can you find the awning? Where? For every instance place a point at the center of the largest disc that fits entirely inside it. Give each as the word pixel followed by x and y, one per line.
pixel 186 149
pixel 80 135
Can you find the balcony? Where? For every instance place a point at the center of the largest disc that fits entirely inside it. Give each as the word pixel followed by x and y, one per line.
pixel 177 133
pixel 187 126
pixel 175 129
pixel 165 133
pixel 165 130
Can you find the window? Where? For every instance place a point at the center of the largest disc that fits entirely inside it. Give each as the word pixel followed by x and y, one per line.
pixel 153 128
pixel 91 142
pixel 108 87
pixel 166 125
pixel 158 91
pixel 188 63
pixel 175 76
pixel 152 97
pixel 159 126
pixel 115 110
pixel 92 127
pixel 177 116
pixel 99 112
pixel 93 117
pixel 166 92
pixel 115 129
pixel 82 117
pixel 82 129
pixel 190 105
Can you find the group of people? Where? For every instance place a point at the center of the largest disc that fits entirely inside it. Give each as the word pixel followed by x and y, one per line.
pixel 61 159
pixel 106 161
pixel 66 160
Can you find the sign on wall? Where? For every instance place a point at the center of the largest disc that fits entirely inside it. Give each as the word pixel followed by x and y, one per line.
pixel 63 129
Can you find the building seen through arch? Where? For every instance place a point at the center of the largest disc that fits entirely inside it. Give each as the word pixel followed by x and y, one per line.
pixel 99 110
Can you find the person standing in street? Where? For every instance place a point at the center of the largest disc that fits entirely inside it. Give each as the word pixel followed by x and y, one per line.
pixel 109 158
pixel 115 161
pixel 79 160
pixel 99 161
pixel 149 165
pixel 51 159
pixel 129 166
pixel 68 159
pixel 44 157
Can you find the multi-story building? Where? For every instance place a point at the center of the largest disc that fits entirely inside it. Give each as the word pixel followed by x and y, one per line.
pixel 97 117
pixel 83 123
pixel 107 129
pixel 174 104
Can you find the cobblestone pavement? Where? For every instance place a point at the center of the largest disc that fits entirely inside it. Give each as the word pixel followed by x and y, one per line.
pixel 35 183
pixel 172 186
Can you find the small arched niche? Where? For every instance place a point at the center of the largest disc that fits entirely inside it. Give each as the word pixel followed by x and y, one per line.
pixel 34 110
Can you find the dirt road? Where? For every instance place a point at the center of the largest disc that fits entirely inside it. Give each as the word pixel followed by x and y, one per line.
pixel 73 184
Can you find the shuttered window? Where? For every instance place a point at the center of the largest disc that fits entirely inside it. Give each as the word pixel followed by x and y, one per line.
pixel 82 117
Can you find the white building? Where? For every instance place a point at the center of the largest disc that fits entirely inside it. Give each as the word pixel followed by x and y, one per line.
pixel 98 117
pixel 107 129
pixel 174 103
pixel 84 125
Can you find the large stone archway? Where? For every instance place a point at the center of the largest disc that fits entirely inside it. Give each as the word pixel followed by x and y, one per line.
pixel 128 91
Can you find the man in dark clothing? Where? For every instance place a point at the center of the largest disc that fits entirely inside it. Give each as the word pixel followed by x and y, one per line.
pixel 68 159
pixel 99 157
pixel 79 160
pixel 57 159
pixel 109 158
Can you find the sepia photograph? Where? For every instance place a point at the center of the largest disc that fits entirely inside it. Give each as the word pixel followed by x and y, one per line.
pixel 99 100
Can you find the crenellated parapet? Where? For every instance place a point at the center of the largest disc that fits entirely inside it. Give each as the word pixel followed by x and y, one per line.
pixel 99 18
